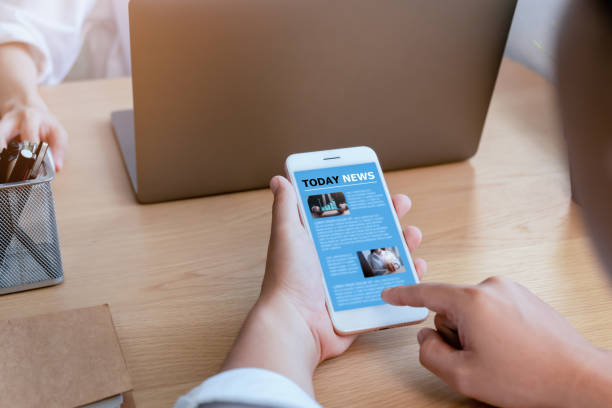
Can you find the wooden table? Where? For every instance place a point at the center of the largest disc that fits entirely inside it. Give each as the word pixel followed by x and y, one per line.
pixel 180 276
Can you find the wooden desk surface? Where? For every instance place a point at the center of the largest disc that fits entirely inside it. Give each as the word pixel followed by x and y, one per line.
pixel 181 276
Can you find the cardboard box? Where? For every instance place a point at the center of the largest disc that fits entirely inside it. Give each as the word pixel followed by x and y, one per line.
pixel 64 359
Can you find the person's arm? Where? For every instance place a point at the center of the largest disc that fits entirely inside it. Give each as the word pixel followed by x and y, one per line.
pixel 39 42
pixel 499 343
pixel 288 332
pixel 276 337
pixel 23 112
pixel 19 77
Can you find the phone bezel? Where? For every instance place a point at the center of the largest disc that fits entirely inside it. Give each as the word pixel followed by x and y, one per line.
pixel 369 318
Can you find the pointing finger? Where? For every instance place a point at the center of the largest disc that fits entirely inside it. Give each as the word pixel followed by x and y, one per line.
pixel 438 297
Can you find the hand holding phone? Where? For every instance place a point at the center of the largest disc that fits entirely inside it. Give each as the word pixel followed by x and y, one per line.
pixel 293 271
pixel 347 210
pixel 290 319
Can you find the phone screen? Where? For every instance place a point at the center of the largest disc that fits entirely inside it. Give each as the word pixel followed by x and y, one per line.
pixel 355 234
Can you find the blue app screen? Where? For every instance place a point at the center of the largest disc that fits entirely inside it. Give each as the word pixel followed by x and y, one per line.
pixel 359 246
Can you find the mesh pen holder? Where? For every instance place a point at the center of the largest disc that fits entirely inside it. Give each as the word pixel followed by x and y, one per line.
pixel 29 245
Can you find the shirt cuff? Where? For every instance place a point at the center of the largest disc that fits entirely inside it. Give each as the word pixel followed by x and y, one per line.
pixel 253 386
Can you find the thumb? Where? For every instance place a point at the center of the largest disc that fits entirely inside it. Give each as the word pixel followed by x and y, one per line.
pixel 441 359
pixel 284 210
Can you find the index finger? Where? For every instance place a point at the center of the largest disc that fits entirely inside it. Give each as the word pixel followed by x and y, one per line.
pixel 437 297
pixel 57 138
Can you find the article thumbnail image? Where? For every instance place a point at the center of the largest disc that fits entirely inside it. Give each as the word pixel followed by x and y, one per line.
pixel 328 205
pixel 380 261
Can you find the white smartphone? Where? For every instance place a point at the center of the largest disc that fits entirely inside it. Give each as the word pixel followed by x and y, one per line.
pixel 346 207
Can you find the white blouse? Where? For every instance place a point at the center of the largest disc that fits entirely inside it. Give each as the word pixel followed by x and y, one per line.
pixel 58 32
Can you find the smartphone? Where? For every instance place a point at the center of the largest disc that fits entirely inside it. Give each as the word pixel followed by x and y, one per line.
pixel 345 206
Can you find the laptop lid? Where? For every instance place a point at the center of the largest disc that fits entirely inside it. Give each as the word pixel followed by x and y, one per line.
pixel 225 90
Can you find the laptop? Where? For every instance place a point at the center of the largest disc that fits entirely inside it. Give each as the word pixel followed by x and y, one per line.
pixel 224 91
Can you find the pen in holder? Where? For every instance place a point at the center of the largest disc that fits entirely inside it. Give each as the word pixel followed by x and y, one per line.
pixel 29 245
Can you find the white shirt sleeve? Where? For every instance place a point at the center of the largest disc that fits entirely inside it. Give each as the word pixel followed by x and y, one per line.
pixel 51 29
pixel 251 387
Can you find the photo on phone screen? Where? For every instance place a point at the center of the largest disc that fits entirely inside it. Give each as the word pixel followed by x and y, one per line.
pixel 355 234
